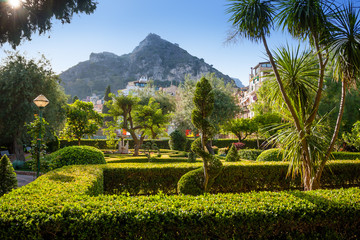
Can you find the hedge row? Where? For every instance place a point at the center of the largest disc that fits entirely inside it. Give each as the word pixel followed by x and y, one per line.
pixel 164 143
pixel 65 204
pixel 101 143
pixel 135 179
pixel 235 177
pixel 346 155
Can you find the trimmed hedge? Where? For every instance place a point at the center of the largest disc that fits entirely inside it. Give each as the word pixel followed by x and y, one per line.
pixel 235 177
pixel 163 143
pixel 249 154
pixel 75 155
pixel 346 155
pixel 135 179
pixel 249 143
pixel 101 143
pixel 271 155
pixel 65 204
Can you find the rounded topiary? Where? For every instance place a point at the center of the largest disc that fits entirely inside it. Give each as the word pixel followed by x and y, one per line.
pixel 177 140
pixel 232 155
pixel 274 154
pixel 8 179
pixel 76 155
pixel 192 183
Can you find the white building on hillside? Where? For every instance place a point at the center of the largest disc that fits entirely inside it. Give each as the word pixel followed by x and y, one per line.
pixel 257 76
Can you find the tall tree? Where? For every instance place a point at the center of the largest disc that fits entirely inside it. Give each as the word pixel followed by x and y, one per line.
pixel 200 117
pixel 20 22
pixel 152 118
pixel 241 127
pixel 81 120
pixel 225 103
pixel 105 109
pixel 21 81
pixel 123 108
pixel 307 20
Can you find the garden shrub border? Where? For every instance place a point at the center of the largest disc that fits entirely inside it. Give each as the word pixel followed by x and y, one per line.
pixel 65 204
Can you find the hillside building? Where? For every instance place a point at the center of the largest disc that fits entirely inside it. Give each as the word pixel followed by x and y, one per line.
pixel 247 97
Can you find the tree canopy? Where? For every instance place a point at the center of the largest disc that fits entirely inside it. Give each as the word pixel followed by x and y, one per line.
pixel 21 81
pixel 225 107
pixel 18 23
pixel 81 119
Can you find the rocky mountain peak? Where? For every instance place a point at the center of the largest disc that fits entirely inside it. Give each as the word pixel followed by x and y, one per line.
pixel 99 57
pixel 156 58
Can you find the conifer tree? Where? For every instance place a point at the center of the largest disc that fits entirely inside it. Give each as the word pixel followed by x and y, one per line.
pixel 105 109
pixel 8 179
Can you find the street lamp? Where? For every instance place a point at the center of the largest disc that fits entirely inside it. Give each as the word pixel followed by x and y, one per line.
pixel 40 101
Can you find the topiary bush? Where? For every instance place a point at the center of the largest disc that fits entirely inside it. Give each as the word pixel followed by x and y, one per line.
pixel 274 154
pixel 192 183
pixel 177 140
pixel 75 155
pixel 249 154
pixel 8 179
pixel 232 155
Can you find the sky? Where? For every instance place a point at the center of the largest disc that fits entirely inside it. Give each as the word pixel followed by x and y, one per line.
pixel 200 27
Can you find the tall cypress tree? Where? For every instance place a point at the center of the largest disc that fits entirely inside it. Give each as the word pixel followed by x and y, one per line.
pixel 105 109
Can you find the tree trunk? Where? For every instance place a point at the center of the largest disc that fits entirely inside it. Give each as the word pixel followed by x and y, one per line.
pixel 79 141
pixel 18 147
pixel 317 178
pixel 300 130
pixel 209 147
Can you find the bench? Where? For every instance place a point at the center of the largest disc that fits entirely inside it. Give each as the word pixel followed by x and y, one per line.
pixel 6 152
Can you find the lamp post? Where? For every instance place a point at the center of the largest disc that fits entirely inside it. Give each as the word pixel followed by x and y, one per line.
pixel 40 101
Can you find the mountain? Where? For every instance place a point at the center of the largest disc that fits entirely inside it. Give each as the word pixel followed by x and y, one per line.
pixel 238 83
pixel 155 58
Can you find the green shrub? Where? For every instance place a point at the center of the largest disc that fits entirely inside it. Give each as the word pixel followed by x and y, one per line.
pixel 191 156
pixel 18 164
pixel 177 140
pixel 54 145
pixel 249 154
pixel 8 179
pixel 192 183
pixel 75 155
pixel 274 154
pixel 232 155
pixel 346 155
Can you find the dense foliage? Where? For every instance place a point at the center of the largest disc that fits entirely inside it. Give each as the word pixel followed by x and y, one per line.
pixel 21 81
pixel 8 179
pixel 249 154
pixel 232 155
pixel 274 154
pixel 81 120
pixel 177 140
pixel 20 23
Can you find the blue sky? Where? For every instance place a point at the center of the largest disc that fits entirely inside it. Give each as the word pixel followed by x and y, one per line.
pixel 198 26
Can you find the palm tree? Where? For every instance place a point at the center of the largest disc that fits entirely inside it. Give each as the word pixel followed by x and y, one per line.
pixel 307 20
pixel 253 19
pixel 344 44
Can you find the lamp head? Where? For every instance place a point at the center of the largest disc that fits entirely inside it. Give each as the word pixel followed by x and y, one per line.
pixel 41 101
